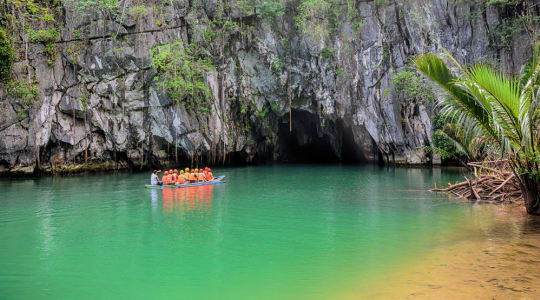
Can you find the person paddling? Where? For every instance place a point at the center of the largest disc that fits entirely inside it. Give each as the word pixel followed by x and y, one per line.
pixel 154 179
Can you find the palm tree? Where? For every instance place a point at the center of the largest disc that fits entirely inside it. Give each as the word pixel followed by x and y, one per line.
pixel 502 109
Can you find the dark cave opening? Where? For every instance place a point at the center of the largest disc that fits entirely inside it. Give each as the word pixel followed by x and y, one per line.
pixel 351 153
pixel 313 140
pixel 317 151
pixel 304 143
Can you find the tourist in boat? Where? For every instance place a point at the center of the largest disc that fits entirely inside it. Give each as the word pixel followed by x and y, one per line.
pixel 175 175
pixel 181 179
pixel 196 172
pixel 154 179
pixel 191 176
pixel 200 176
pixel 166 178
pixel 205 172
pixel 185 175
pixel 209 174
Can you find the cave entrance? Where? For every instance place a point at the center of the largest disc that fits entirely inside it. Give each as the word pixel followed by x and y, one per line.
pixel 314 141
pixel 351 152
pixel 308 142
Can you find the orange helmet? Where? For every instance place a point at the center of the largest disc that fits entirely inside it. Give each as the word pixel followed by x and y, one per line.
pixel 192 171
pixel 170 171
pixel 175 171
pixel 166 173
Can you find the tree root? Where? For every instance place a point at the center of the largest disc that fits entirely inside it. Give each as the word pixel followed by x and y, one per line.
pixel 493 182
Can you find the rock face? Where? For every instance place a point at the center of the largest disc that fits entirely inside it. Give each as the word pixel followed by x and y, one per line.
pixel 325 100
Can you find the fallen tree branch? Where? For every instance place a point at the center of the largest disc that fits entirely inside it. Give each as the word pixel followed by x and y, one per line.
pixel 493 184
pixel 502 185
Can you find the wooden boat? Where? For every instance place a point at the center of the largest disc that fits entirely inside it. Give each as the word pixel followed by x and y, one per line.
pixel 216 180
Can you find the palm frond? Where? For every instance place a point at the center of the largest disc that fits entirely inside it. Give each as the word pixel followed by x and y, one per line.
pixel 460 144
pixel 464 103
pixel 503 95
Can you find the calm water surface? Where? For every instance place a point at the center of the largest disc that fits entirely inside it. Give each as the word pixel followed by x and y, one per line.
pixel 278 232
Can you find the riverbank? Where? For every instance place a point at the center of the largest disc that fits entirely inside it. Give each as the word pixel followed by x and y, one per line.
pixel 123 166
pixel 488 259
pixel 66 169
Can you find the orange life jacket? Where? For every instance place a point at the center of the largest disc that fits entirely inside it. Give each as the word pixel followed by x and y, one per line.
pixel 166 179
pixel 191 177
pixel 180 179
pixel 200 176
pixel 209 176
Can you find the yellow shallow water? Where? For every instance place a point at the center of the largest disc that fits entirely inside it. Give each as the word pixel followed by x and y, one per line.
pixel 487 259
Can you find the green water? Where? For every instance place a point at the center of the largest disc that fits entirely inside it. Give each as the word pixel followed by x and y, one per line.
pixel 277 232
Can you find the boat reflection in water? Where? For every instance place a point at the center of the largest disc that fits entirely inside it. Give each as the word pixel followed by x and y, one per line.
pixel 196 201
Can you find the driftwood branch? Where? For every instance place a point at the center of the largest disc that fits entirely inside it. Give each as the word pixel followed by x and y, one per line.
pixel 493 182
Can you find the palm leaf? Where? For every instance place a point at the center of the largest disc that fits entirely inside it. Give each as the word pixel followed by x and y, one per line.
pixel 463 103
pixel 503 95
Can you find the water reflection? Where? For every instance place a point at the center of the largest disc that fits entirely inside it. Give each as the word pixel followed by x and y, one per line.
pixel 195 200
pixel 154 195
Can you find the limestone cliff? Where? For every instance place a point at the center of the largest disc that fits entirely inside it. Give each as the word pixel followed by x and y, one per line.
pixel 99 101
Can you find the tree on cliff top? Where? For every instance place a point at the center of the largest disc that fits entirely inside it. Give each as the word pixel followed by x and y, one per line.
pixel 505 110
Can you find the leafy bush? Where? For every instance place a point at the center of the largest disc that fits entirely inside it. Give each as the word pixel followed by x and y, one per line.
pixel 274 106
pixel 6 55
pixel 327 53
pixel 270 9
pixel 410 85
pixel 276 65
pixel 321 18
pixel 108 8
pixel 441 143
pixel 311 18
pixel 22 91
pixel 43 35
pixel 25 94
pixel 138 11
pixel 182 70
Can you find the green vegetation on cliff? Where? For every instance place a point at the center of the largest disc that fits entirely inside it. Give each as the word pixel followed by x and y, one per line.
pixel 182 69
pixel 6 55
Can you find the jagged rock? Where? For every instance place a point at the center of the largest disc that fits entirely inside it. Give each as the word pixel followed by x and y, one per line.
pixel 338 93
pixel 13 141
